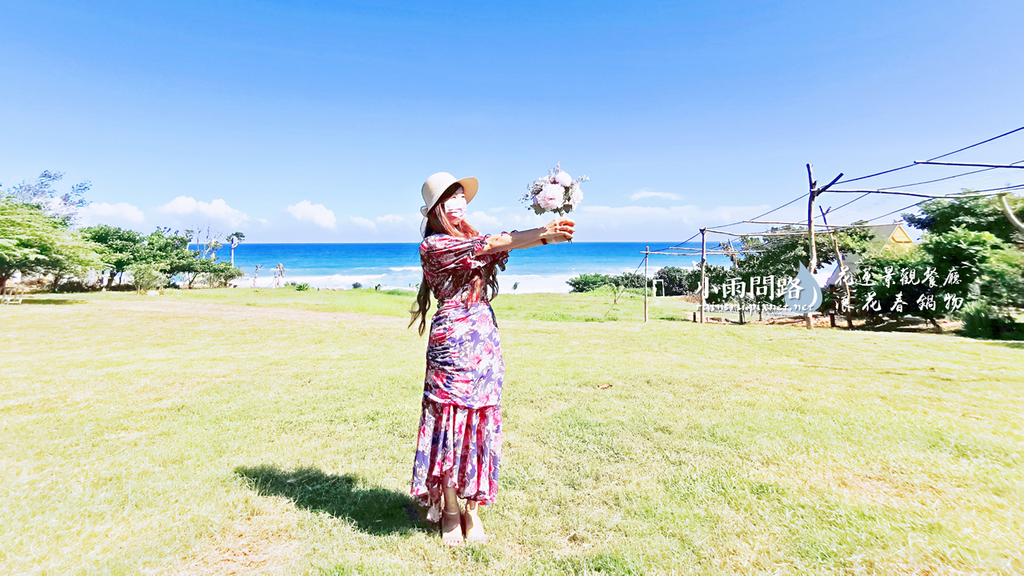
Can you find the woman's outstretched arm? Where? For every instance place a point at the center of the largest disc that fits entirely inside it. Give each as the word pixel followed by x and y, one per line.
pixel 560 230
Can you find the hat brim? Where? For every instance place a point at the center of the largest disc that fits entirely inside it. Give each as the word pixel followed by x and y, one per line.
pixel 442 183
pixel 469 186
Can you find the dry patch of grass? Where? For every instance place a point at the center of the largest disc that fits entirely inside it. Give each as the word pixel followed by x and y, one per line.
pixel 264 541
pixel 860 486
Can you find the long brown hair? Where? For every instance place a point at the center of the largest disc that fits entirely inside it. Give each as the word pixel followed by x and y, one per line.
pixel 438 223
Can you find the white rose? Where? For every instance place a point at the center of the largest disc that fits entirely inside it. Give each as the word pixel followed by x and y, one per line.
pixel 551 197
pixel 563 179
pixel 575 196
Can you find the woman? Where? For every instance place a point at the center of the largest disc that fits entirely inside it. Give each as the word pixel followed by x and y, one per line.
pixel 458 451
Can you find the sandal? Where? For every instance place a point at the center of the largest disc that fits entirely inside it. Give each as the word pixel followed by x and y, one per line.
pixel 452 537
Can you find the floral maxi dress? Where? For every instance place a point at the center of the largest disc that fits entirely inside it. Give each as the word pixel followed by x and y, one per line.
pixel 459 440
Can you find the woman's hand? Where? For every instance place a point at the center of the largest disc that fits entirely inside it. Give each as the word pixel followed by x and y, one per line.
pixel 560 230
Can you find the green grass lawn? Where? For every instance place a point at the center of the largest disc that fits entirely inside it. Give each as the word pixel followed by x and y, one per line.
pixel 176 435
pixel 597 306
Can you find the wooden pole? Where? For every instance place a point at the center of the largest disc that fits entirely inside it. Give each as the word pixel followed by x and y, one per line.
pixel 813 259
pixel 703 271
pixel 646 258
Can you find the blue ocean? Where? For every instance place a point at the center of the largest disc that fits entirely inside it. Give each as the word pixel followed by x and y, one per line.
pixel 541 269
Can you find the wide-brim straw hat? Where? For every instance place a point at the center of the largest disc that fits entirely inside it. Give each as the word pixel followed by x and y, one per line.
pixel 437 184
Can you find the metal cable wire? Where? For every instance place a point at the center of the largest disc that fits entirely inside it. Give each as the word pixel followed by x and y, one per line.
pixel 728 225
pixel 1008 187
pixel 977 144
pixel 865 195
pixel 931 159
pixel 947 177
pixel 766 213
pixel 675 245
pixel 900 210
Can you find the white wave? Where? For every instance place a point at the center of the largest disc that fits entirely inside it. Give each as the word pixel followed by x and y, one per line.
pixel 333 281
pixel 405 269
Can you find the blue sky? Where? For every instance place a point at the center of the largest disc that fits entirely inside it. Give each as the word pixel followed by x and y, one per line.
pixel 318 122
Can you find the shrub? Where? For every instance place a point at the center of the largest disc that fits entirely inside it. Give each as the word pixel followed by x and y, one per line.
pixel 588 282
pixel 629 280
pixel 220 274
pixel 356 285
pixel 76 285
pixel 678 281
pixel 983 321
pixel 301 287
pixel 147 276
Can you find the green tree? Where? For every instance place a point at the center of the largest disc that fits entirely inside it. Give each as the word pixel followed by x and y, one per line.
pixel 684 281
pixel 42 193
pixel 939 278
pixel 976 232
pixel 170 253
pixel 774 259
pixel 33 243
pixel 119 248
pixel 980 214
pixel 211 248
pixel 676 281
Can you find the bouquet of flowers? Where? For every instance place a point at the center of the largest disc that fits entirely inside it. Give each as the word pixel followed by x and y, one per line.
pixel 556 192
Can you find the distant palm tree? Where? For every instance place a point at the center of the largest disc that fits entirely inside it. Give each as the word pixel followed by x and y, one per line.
pixel 234 238
pixel 212 246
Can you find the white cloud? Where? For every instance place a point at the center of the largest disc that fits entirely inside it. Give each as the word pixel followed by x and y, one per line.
pixel 525 220
pixel 218 209
pixel 594 223
pixel 95 213
pixel 363 223
pixel 649 194
pixel 400 219
pixel 316 213
pixel 482 218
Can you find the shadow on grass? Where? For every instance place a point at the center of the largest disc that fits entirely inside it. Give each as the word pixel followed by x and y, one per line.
pixel 373 510
pixel 51 301
pixel 1016 344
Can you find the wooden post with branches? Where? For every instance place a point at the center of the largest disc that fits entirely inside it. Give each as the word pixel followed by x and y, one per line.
pixel 647 257
pixel 703 271
pixel 839 260
pixel 812 251
pixel 813 192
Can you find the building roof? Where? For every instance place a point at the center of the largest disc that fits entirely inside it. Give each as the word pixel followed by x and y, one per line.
pixel 891 236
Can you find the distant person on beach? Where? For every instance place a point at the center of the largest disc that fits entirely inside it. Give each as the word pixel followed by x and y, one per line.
pixel 458 451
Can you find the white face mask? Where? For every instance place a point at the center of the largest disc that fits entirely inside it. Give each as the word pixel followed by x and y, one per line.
pixel 455 208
